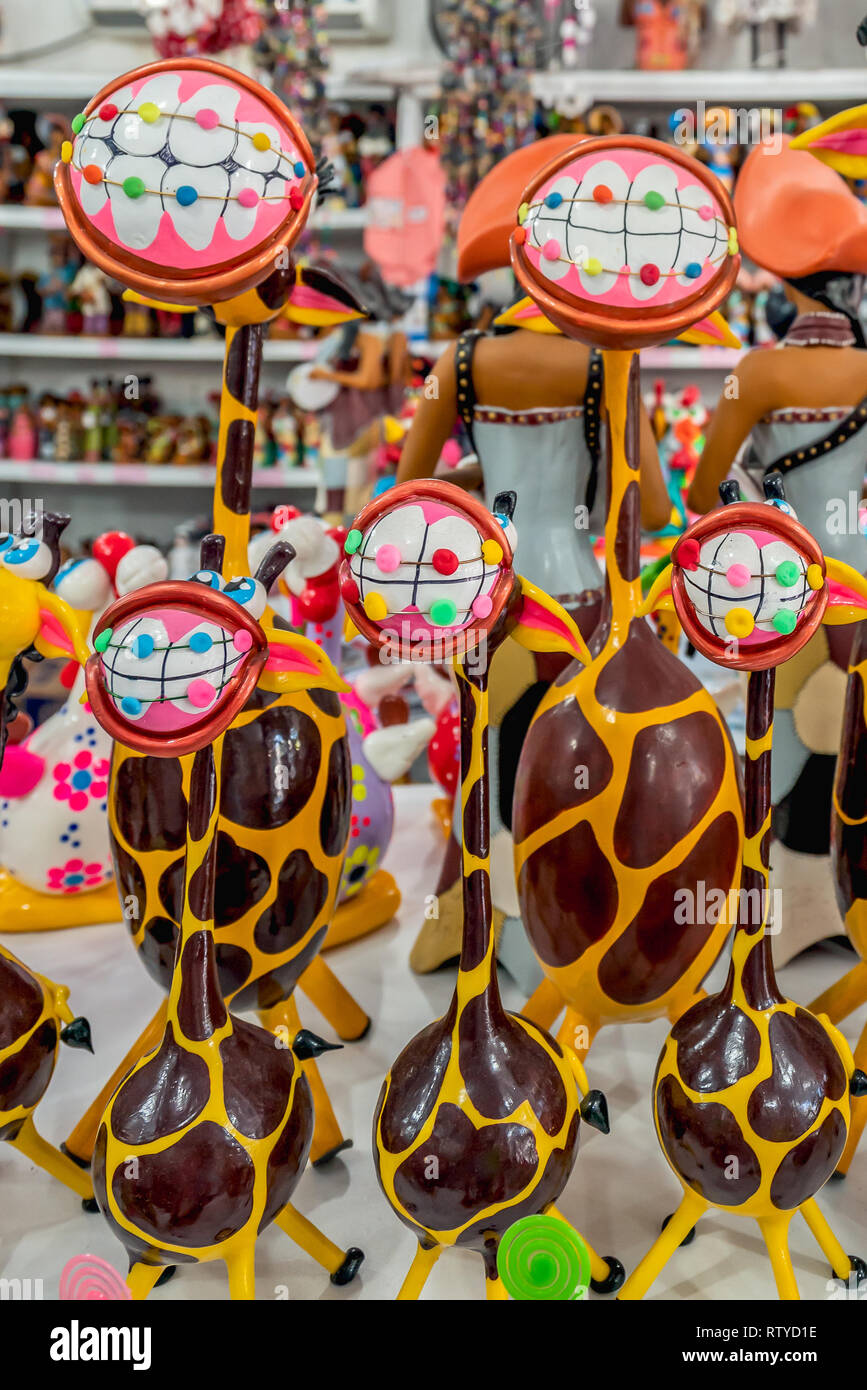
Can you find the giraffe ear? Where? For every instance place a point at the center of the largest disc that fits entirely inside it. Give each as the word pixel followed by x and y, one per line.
pixel 132 297
pixel 295 663
pixel 658 596
pixel 526 314
pixel 543 625
pixel 321 298
pixel 60 629
pixel 847 594
pixel 840 142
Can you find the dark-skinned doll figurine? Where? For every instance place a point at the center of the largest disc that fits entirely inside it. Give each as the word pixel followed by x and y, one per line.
pixel 530 403
pixel 800 409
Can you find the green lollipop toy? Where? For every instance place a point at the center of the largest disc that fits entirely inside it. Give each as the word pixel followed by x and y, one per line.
pixel 543 1258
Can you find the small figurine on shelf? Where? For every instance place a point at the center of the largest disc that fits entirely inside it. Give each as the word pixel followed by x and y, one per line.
pixel 668 32
pixel 54 286
pixel 265 448
pixel 785 15
pixel 46 426
pixel 137 318
pixel 53 130
pixel 22 433
pixel 91 288
pixel 192 440
pixel 284 430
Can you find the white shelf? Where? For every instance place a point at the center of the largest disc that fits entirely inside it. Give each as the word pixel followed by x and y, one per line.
pixel 21 217
pixel 146 474
pixel 692 359
pixel 54 84
pixel 79 348
pixel 757 86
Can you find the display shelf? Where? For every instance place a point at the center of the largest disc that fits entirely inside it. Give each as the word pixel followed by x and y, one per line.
pixel 146 474
pixel 56 85
pixel 693 359
pixel 192 350
pixel 755 86
pixel 21 217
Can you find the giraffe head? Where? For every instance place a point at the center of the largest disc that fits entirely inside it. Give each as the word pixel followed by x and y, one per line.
pixel 175 662
pixel 33 621
pixel 750 585
pixel 429 576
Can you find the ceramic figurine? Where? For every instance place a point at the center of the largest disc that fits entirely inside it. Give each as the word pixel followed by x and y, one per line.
pixel 91 291
pixel 204 1140
pixel 598 784
pixel 801 409
pixel 752 1091
pixel 667 32
pixel 516 420
pixel 54 129
pixel 35 1016
pixel 54 287
pixel 477 1121
pixel 784 15
pixel 54 849
pixel 197 128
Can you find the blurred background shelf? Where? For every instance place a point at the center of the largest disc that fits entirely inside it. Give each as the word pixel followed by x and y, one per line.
pixel 21 217
pixel 146 474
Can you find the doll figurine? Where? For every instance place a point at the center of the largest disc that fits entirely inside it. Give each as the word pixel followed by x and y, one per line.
pixel 752 1092
pixel 800 410
pixel 784 15
pixel 54 288
pixel 91 290
pixel 527 401
pixel 668 31
pixel 54 130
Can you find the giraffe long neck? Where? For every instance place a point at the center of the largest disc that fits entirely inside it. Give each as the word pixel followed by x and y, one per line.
pixel 195 1008
pixel 239 404
pixel 752 968
pixel 476 973
pixel 623 508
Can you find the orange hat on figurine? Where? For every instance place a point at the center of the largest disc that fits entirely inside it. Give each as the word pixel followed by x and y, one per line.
pixel 796 216
pixel 488 219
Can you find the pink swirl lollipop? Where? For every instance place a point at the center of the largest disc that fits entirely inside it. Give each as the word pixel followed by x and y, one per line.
pixel 87 1279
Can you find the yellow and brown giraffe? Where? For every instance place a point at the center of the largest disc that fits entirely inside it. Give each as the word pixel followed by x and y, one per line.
pixel 285 803
pixel 202 1144
pixel 34 1014
pixel 752 1091
pixel 477 1122
pixel 627 787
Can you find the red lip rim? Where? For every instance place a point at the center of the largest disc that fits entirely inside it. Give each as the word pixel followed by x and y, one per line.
pixel 217 282
pixel 433 490
pixel 214 606
pixel 756 516
pixel 629 328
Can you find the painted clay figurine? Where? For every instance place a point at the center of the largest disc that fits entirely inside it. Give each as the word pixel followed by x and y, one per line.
pixel 54 849
pixel 752 1092
pixel 284 817
pixel 519 420
pixel 477 1121
pixel 627 787
pixel 204 1140
pixel 34 1015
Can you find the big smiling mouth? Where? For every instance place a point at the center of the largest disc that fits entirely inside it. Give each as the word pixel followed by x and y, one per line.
pixel 171 676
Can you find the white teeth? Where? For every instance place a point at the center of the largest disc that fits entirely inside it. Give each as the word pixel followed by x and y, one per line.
pixel 136 136
pixel 702 240
pixel 653 234
pixel 714 596
pixel 166 675
pixel 196 222
pixel 136 220
pixel 191 145
pixel 262 161
pixel 92 195
pixel 453 533
pixel 240 220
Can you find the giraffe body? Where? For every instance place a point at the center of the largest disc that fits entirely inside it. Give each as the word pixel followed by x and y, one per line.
pixel 627 793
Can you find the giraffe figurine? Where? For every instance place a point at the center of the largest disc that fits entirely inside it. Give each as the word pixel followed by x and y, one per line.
pixel 627 787
pixel 285 809
pixel 752 1091
pixel 204 1140
pixel 35 1017
pixel 478 1119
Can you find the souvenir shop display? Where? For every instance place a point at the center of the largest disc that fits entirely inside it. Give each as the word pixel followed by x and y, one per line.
pixel 223 253
pixel 769 22
pixel 429 576
pixel 751 1096
pixel 593 786
pixel 54 849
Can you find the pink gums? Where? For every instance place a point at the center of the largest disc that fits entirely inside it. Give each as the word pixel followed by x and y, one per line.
pixel 621 295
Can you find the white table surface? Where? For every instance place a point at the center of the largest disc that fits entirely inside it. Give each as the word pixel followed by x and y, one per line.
pixel 619 1192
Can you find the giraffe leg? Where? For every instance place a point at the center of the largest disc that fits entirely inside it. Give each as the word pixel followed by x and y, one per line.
pixel 606 1272
pixel 775 1231
pixel 577 1033
pixel 369 910
pixel 323 989
pixel 342 1265
pixel 422 1264
pixel 844 997
pixel 544 1005
pixel 328 1137
pixel 825 1239
pixel 662 1249
pixel 29 1142
pixel 241 1269
pixel 141 1279
pixel 79 1144
pixel 859 1110
pixel 495 1289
